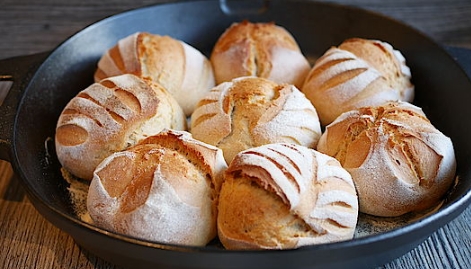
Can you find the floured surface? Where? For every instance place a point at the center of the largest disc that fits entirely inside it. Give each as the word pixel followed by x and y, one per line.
pixel 78 190
pixel 367 225
pixel 371 225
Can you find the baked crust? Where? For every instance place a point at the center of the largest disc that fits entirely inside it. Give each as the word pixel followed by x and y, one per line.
pixel 358 73
pixel 281 196
pixel 252 111
pixel 180 68
pixel 164 189
pixel 259 49
pixel 110 116
pixel 399 161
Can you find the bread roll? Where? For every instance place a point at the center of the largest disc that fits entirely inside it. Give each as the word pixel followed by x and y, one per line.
pixel 387 60
pixel 259 49
pixel 110 116
pixel 251 111
pixel 282 196
pixel 398 160
pixel 163 189
pixel 356 74
pixel 180 68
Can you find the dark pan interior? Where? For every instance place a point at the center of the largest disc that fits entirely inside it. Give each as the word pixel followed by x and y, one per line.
pixel 442 89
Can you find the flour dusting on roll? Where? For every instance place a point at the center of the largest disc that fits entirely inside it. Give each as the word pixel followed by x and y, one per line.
pixel 109 116
pixel 259 49
pixel 180 68
pixel 356 74
pixel 282 196
pixel 399 161
pixel 251 111
pixel 164 189
pixel 387 60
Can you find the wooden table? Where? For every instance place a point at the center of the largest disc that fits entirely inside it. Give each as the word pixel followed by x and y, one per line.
pixel 27 240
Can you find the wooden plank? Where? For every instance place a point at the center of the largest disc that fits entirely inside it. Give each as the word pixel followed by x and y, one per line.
pixel 30 26
pixel 28 240
pixel 37 26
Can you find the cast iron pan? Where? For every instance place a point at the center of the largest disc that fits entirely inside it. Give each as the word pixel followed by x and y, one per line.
pixel 44 83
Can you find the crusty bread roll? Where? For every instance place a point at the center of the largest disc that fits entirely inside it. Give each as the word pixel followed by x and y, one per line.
pixel 163 189
pixel 180 68
pixel 251 111
pixel 358 73
pixel 398 160
pixel 259 49
pixel 281 196
pixel 387 60
pixel 110 116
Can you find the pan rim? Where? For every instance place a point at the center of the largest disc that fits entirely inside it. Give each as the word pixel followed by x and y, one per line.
pixel 454 208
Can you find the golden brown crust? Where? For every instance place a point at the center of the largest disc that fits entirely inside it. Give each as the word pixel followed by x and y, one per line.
pixel 181 69
pixel 258 49
pixel 399 161
pixel 206 158
pixel 280 196
pixel 163 189
pixel 110 116
pixel 251 111
pixel 384 58
pixel 357 73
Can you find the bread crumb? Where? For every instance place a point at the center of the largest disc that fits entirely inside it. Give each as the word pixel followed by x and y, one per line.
pixel 78 191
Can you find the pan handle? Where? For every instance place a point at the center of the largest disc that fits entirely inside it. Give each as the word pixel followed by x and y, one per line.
pixel 243 7
pixel 15 73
